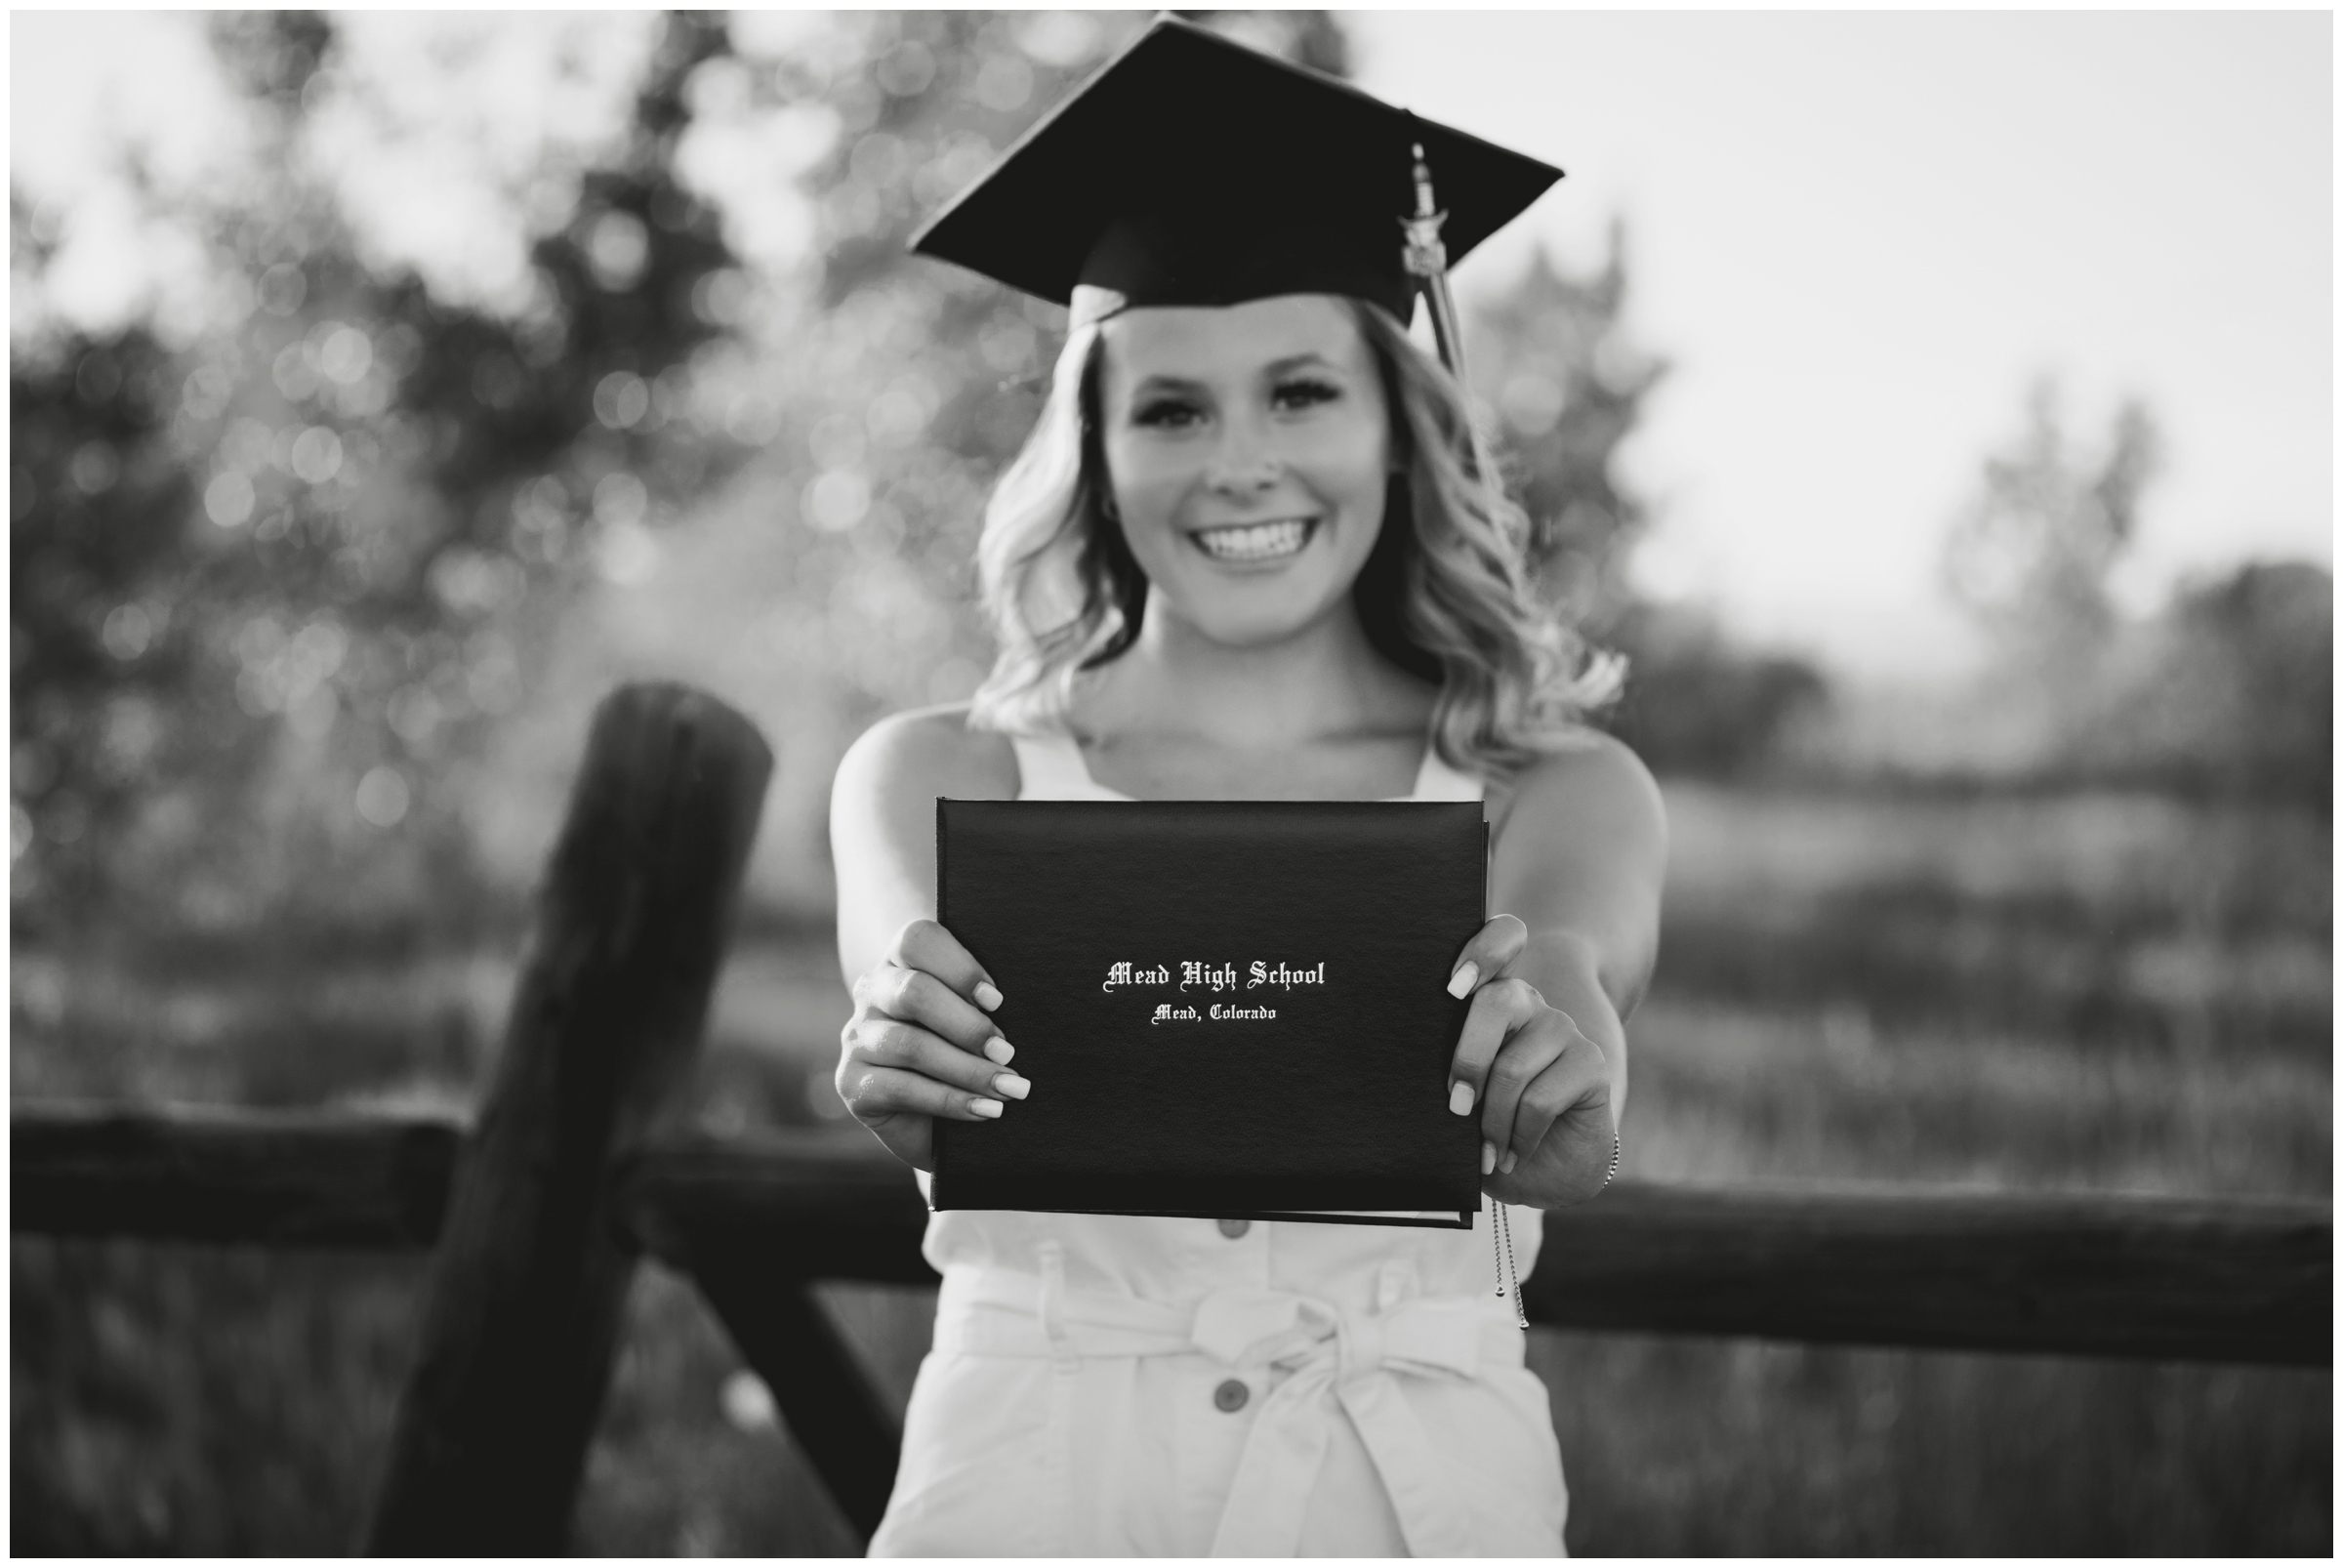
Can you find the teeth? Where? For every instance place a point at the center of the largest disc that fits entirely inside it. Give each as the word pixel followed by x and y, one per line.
pixel 1259 541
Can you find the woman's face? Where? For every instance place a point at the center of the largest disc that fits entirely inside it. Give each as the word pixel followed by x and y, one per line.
pixel 1248 448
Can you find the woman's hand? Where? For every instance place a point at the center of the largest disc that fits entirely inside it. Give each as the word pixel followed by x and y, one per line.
pixel 919 1045
pixel 1541 1087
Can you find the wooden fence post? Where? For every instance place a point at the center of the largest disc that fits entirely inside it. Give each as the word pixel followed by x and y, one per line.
pixel 852 1211
pixel 816 1378
pixel 531 1274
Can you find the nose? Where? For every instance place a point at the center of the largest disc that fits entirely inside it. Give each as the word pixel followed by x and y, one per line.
pixel 1243 465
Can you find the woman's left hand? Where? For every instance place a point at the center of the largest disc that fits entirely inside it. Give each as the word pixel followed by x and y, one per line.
pixel 1540 1088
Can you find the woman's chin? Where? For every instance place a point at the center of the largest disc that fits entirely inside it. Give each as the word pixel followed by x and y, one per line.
pixel 1264 623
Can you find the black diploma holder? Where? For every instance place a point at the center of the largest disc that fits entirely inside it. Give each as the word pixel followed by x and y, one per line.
pixel 1227 1008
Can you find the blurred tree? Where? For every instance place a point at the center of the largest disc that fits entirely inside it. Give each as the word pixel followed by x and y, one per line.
pixel 1550 355
pixel 2230 693
pixel 2270 626
pixel 270 585
pixel 2229 689
pixel 260 649
pixel 1698 703
pixel 2031 555
pixel 1312 38
pixel 97 657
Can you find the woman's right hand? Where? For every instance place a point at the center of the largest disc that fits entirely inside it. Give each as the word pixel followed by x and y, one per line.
pixel 921 1045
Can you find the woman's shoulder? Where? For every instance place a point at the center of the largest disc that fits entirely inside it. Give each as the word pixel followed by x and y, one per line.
pixel 927 752
pixel 1593 786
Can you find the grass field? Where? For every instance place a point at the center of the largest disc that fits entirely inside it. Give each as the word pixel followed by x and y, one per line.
pixel 2111 992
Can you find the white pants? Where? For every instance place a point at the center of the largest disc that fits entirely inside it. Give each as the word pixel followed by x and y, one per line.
pixel 1260 1424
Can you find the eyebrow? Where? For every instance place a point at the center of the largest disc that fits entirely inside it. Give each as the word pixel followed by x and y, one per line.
pixel 1161 382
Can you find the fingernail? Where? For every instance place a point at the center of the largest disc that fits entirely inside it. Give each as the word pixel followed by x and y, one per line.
pixel 988 995
pixel 985 1107
pixel 1488 1156
pixel 1012 1086
pixel 997 1051
pixel 1505 1164
pixel 1460 1100
pixel 1468 975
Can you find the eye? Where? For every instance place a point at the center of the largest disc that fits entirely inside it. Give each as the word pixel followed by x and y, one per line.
pixel 1303 392
pixel 1168 413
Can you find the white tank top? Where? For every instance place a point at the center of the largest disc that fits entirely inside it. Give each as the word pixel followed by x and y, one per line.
pixel 1050 768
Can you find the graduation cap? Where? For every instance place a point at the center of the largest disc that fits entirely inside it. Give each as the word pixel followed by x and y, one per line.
pixel 1191 170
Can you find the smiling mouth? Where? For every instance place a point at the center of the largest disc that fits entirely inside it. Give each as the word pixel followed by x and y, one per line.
pixel 1256 541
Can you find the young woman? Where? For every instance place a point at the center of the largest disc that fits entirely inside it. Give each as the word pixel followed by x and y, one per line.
pixel 1254 550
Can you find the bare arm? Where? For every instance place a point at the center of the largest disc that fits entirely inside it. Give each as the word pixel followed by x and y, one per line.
pixel 1579 856
pixel 921 1042
pixel 882 821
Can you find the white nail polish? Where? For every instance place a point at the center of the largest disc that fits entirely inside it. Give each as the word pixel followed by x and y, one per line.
pixel 1012 1086
pixel 1506 1166
pixel 1460 1100
pixel 988 995
pixel 1488 1156
pixel 997 1051
pixel 1464 979
pixel 985 1107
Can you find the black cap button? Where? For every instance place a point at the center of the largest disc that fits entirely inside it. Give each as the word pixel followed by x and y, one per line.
pixel 1231 1395
pixel 1234 1229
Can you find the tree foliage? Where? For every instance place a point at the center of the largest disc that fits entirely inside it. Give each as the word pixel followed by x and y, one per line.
pixel 2230 693
pixel 285 581
pixel 1552 358
pixel 1699 703
pixel 2226 689
pixel 271 584
pixel 2031 555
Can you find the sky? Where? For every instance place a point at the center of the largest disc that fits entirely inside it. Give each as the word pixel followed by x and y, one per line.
pixel 1860 237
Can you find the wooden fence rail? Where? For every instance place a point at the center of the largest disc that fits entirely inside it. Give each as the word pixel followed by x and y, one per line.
pixel 537 1213
pixel 2088 1275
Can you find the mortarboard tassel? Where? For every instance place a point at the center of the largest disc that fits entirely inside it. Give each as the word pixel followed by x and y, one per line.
pixel 1427 264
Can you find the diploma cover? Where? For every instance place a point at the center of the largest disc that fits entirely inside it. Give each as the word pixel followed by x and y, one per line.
pixel 1227 1008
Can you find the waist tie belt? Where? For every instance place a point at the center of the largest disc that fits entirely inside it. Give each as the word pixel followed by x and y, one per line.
pixel 1359 1357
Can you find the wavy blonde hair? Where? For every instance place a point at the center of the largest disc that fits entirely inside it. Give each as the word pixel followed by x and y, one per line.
pixel 1445 593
